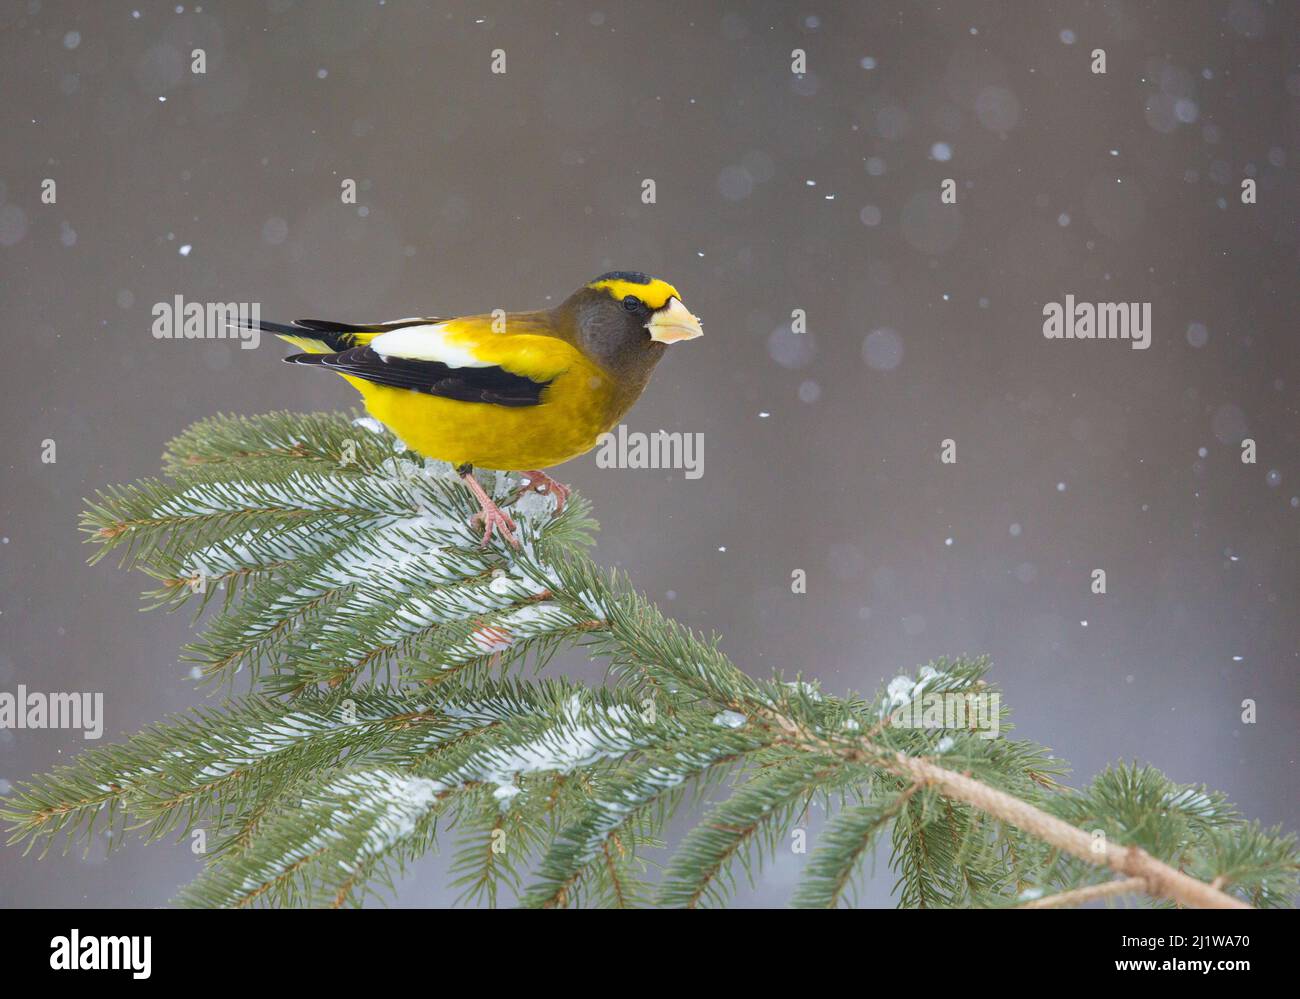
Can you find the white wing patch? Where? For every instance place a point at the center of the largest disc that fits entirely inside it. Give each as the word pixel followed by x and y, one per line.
pixel 426 343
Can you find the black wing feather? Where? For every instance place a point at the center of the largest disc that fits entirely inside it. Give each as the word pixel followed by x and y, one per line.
pixel 335 336
pixel 491 385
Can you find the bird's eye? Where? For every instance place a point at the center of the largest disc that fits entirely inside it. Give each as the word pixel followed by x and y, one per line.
pixel 631 303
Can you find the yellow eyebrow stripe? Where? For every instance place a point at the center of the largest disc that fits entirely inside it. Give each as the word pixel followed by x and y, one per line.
pixel 655 294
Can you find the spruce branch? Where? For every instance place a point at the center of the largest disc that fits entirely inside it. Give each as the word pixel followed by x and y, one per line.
pixel 339 573
pixel 1159 879
pixel 1092 893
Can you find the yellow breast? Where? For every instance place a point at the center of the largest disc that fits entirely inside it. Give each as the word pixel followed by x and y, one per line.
pixel 576 408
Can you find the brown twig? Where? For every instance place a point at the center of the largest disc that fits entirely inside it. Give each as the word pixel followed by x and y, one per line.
pixel 1081 896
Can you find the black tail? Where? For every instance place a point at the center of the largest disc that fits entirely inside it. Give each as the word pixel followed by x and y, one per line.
pixel 323 336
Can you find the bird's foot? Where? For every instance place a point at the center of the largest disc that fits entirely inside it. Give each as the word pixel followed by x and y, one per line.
pixel 490 516
pixel 540 482
pixel 493 518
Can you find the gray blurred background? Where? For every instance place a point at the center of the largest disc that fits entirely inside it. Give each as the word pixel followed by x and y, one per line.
pixel 775 193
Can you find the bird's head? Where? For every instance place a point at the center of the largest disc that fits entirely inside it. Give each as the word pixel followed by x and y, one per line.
pixel 626 320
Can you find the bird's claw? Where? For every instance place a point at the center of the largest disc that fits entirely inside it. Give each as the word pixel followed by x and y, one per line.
pixel 493 518
pixel 542 484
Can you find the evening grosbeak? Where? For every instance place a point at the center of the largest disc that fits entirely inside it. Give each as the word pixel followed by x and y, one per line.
pixel 516 391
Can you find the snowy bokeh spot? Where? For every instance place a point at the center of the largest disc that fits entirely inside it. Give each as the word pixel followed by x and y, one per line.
pixel 997 109
pixel 275 230
pixel 734 27
pixel 790 349
pixel 160 68
pixel 892 122
pixel 759 165
pixel 735 183
pixel 13 225
pixel 1247 18
pixel 1229 424
pixel 882 349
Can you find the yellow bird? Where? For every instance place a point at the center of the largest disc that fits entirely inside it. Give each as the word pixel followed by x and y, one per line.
pixel 516 391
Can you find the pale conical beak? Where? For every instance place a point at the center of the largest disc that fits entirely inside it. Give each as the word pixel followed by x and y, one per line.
pixel 673 322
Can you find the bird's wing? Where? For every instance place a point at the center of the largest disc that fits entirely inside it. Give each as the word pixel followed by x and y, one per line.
pixel 463 359
pixel 324 336
pixel 521 342
pixel 483 384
